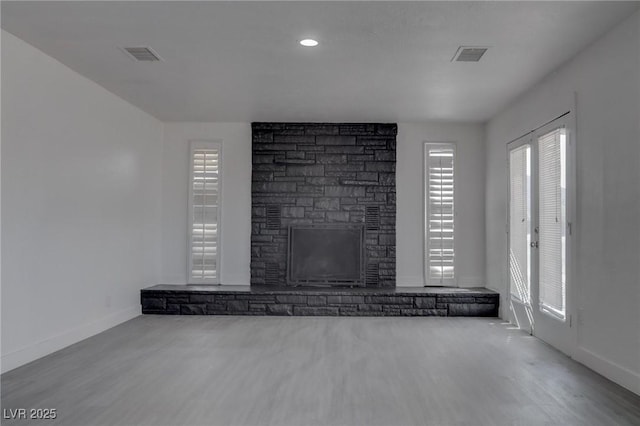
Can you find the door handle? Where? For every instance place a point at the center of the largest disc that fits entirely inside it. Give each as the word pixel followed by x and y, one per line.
pixel 534 244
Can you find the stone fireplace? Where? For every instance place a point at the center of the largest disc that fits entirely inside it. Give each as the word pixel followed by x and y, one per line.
pixel 329 190
pixel 319 175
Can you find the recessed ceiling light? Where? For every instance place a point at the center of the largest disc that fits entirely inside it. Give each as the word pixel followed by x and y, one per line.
pixel 309 42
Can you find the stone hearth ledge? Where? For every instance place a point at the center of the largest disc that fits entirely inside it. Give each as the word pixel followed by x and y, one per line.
pixel 318 301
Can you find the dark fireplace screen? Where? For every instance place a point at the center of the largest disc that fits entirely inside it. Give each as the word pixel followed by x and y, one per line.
pixel 326 255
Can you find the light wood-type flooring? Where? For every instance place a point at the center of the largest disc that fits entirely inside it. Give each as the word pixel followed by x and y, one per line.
pixel 208 370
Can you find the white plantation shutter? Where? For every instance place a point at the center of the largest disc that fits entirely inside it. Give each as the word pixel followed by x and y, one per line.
pixel 552 220
pixel 520 222
pixel 204 213
pixel 439 221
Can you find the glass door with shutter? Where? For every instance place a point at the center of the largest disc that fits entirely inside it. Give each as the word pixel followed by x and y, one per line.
pixel 539 232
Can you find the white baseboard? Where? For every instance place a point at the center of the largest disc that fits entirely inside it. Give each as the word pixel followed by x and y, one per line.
pixel 51 344
pixel 609 369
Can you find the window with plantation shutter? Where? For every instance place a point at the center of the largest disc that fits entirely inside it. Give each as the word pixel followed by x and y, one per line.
pixel 204 213
pixel 552 219
pixel 439 235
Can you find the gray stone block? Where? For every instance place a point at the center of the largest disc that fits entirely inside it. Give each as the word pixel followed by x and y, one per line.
pixel 201 298
pixel 299 155
pixel 335 140
pixel 473 309
pixel 344 150
pixel 262 137
pixel 172 309
pixel 410 312
pixel 315 216
pixel 359 167
pixel 341 191
pixel 360 158
pixel 383 155
pixel 369 142
pixel 357 129
pixel 456 299
pixel 192 309
pixel 425 302
pixel 304 201
pixel 387 239
pixel 316 300
pixel 264 125
pixel 331 159
pixel 280 310
pixel 370 308
pixel 154 303
pixel 262 176
pixel 283 139
pixel 315 170
pixel 390 300
pixel 262 159
pixel 315 311
pixel 299 300
pixel 344 300
pixel 238 305
pixel 390 129
pixel 274 187
pixel 258 212
pixel 348 310
pixel 269 167
pixel 216 308
pixel 306 190
pixel 332 217
pixel 270 147
pixel 323 129
pixel 381 197
pixel 367 176
pixel 257 297
pixel 293 212
pixel 350 182
pixel 177 300
pixel 380 166
pixel 387 179
pixel 487 299
pixel 295 161
pixel 321 180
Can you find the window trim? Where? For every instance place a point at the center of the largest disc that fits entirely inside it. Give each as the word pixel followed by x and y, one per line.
pixel 453 282
pixel 194 145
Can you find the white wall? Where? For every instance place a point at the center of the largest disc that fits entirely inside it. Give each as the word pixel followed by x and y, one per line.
pixel 606 79
pixel 470 243
pixel 236 199
pixel 81 205
pixel 236 190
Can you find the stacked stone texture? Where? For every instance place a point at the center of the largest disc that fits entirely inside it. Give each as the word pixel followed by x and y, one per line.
pixel 317 303
pixel 320 174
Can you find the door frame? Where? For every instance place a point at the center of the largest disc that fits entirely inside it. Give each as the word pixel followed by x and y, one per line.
pixel 521 312
pixel 569 341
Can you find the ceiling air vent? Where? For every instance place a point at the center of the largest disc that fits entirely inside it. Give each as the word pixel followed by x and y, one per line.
pixel 142 53
pixel 469 54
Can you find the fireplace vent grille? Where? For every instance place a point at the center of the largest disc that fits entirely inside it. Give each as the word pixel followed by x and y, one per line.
pixel 372 218
pixel 274 214
pixel 373 274
pixel 272 274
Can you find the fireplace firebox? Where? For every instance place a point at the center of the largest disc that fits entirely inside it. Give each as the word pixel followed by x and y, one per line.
pixel 328 255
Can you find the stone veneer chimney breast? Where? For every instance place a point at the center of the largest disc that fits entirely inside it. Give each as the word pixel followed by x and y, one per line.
pixel 323 174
